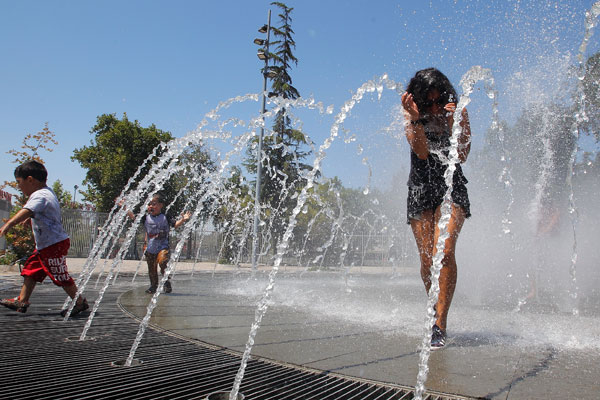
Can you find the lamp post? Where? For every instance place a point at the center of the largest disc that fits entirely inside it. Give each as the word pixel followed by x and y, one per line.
pixel 74 195
pixel 262 55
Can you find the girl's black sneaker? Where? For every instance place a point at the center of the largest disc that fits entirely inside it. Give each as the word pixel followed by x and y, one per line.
pixel 438 338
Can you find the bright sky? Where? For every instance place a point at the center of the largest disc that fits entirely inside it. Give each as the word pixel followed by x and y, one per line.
pixel 171 62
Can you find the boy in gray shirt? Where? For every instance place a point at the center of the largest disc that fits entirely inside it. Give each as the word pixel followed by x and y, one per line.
pixel 51 241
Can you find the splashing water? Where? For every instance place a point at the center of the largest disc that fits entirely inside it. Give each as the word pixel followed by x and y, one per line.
pixel 467 82
pixel 214 189
pixel 336 216
pixel 282 247
pixel 167 164
pixel 591 17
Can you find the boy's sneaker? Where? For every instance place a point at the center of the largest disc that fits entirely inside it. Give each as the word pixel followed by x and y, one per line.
pixel 80 308
pixel 151 290
pixel 438 338
pixel 15 304
pixel 77 309
pixel 168 287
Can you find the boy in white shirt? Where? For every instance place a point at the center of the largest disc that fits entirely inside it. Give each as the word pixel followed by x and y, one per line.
pixel 51 241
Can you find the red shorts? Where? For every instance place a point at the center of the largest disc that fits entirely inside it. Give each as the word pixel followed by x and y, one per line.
pixel 52 262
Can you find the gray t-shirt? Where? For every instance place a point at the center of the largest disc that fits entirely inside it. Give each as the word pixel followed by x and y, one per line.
pixel 46 221
pixel 157 229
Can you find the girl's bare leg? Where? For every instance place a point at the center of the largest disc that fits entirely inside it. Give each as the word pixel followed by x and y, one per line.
pixel 423 231
pixel 426 233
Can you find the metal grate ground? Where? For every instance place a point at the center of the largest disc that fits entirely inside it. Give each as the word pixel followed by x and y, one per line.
pixel 41 357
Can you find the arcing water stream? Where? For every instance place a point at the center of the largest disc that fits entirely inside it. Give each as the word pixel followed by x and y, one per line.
pixel 340 219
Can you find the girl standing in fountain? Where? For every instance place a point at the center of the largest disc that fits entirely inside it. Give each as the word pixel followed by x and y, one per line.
pixel 429 104
pixel 157 226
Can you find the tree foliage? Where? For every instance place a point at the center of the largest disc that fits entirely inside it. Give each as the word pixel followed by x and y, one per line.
pixel 591 90
pixel 33 144
pixel 119 147
pixel 20 239
pixel 64 197
pixel 189 185
pixel 283 57
pixel 284 150
pixel 31 147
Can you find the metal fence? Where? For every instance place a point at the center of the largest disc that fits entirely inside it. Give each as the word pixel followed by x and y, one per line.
pixel 361 249
pixel 5 208
pixel 83 228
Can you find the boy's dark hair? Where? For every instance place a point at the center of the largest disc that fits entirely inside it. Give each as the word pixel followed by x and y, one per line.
pixel 32 168
pixel 427 79
pixel 159 197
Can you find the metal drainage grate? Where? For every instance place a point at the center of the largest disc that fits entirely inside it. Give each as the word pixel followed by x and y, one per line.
pixel 41 358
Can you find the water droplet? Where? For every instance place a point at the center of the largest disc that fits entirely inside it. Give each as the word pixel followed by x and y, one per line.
pixel 350 139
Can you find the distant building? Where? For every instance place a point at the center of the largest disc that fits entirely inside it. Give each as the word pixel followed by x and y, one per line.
pixel 5 208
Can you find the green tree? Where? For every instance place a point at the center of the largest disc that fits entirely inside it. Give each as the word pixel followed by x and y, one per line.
pixel 20 239
pixel 31 147
pixel 33 144
pixel 117 150
pixel 587 170
pixel 284 150
pixel 236 196
pixel 190 184
pixel 336 213
pixel 64 197
pixel 232 209
pixel 591 90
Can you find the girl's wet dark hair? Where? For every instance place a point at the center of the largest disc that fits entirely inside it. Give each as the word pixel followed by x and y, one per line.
pixel 427 79
pixel 32 168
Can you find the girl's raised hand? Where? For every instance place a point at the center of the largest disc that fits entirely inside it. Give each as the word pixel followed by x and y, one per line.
pixel 450 108
pixel 410 107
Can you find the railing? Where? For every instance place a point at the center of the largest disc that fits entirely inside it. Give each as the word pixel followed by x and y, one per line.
pixel 82 227
pixel 5 208
pixel 362 249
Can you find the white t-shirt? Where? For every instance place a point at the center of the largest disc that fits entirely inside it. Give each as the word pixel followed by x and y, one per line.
pixel 46 221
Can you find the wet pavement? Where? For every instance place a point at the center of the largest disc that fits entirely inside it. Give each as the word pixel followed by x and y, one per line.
pixel 479 360
pixel 369 326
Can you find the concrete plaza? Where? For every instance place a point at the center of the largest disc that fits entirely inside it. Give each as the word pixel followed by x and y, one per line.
pixel 217 305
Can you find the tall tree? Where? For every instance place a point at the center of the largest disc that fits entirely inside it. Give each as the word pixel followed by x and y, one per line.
pixel 190 184
pixel 64 197
pixel 591 90
pixel 118 149
pixel 285 149
pixel 20 238
pixel 31 147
